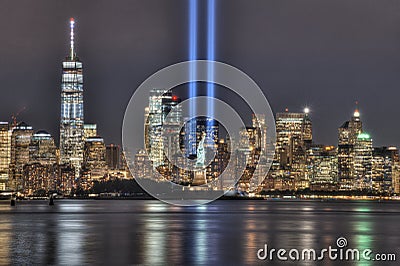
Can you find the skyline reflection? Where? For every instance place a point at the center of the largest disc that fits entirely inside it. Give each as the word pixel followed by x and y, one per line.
pixel 153 233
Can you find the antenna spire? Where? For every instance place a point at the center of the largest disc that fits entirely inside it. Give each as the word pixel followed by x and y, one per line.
pixel 72 50
pixel 356 112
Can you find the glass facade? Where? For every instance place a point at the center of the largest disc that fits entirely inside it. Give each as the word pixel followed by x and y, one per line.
pixel 5 153
pixel 71 121
pixel 20 141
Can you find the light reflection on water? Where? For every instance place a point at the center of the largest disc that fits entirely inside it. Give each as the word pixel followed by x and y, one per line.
pixel 77 232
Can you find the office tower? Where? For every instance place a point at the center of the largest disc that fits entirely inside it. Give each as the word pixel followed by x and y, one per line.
pixel 350 130
pixel 171 139
pixel 261 170
pixel 363 162
pixel 39 179
pixel 38 173
pixel 113 156
pixel 294 136
pixel 142 165
pixel 71 122
pixel 220 162
pixel 155 119
pixel 322 167
pixel 347 138
pixel 89 130
pixel 5 153
pixel 20 140
pixel 42 148
pixel 161 103
pixel 396 178
pixel 95 157
pixel 65 181
pixel 248 153
pixel 384 160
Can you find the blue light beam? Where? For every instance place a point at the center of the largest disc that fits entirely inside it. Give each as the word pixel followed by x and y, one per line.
pixel 192 85
pixel 210 53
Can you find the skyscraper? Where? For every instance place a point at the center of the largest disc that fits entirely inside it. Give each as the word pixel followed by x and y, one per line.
pixel 5 153
pixel 363 161
pixel 71 123
pixel 347 138
pixel 294 136
pixel 161 103
pixel 113 156
pixel 20 141
pixel 89 131
pixel 39 174
pixel 384 160
pixel 322 167
pixel 42 148
pixel 95 157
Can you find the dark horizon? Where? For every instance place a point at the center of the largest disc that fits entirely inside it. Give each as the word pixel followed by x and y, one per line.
pixel 322 55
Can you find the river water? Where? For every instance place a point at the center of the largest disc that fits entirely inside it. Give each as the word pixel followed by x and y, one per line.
pixel 225 232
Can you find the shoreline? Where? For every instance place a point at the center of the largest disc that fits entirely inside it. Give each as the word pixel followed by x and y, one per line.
pixel 224 198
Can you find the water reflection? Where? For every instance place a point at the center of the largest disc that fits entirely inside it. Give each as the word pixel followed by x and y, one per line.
pixel 70 234
pixel 5 239
pixel 363 239
pixel 155 241
pixel 153 233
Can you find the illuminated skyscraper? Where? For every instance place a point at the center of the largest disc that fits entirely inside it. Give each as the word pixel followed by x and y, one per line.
pixel 161 103
pixel 71 123
pixel 89 130
pixel 347 139
pixel 143 167
pixel 42 148
pixel 396 177
pixel 294 136
pixel 322 167
pixel 363 162
pixel 113 156
pixel 20 140
pixel 248 151
pixel 95 157
pixel 5 153
pixel 39 173
pixel 384 160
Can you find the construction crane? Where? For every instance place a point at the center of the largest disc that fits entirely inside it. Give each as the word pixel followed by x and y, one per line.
pixel 15 116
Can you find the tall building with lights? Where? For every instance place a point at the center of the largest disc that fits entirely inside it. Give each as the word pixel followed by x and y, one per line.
pixel 294 136
pixel 89 131
pixel 161 103
pixel 71 122
pixel 95 157
pixel 384 161
pixel 363 162
pixel 42 148
pixel 347 138
pixel 113 156
pixel 396 177
pixel 20 141
pixel 39 174
pixel 322 167
pixel 5 153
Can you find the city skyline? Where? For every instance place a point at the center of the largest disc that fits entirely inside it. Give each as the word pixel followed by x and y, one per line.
pixel 288 81
pixel 299 164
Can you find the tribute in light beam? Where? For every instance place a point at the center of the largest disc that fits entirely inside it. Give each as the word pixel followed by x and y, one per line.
pixel 210 54
pixel 192 85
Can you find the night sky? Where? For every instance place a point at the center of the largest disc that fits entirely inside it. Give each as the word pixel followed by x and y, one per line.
pixel 321 54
